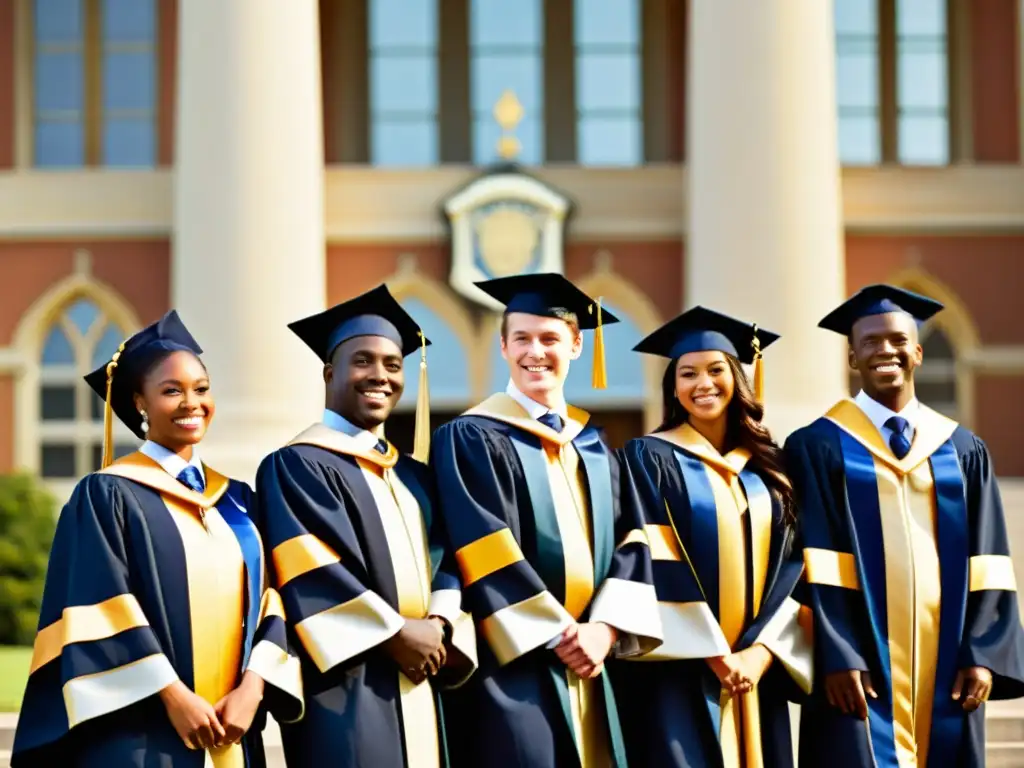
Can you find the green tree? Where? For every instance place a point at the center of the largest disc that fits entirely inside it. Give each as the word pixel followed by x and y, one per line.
pixel 27 522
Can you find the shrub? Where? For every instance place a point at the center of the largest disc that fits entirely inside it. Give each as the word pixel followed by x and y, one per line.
pixel 27 522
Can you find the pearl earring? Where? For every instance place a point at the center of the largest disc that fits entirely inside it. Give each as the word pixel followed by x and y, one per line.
pixel 145 422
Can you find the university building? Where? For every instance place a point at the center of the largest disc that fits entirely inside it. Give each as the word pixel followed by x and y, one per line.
pixel 251 161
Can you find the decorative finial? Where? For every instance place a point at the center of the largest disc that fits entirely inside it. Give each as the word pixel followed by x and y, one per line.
pixel 508 112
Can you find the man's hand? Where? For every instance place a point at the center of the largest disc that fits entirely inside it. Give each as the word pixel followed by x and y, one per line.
pixel 584 647
pixel 972 687
pixel 237 710
pixel 848 691
pixel 741 672
pixel 418 648
pixel 192 716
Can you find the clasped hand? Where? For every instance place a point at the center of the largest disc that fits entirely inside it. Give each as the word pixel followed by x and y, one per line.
pixel 584 647
pixel 741 672
pixel 204 726
pixel 418 648
pixel 849 690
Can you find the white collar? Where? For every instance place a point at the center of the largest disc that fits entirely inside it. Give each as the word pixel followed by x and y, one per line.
pixel 532 407
pixel 171 462
pixel 365 440
pixel 879 414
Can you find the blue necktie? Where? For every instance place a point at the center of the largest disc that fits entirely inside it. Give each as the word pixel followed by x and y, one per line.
pixel 898 441
pixel 192 478
pixel 552 421
pixel 381 447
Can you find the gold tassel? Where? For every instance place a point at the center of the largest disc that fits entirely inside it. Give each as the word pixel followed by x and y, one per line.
pixel 599 380
pixel 108 412
pixel 421 441
pixel 758 368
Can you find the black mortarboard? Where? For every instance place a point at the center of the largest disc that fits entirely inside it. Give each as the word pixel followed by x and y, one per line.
pixel 117 381
pixel 374 313
pixel 704 330
pixel 543 294
pixel 546 293
pixel 878 300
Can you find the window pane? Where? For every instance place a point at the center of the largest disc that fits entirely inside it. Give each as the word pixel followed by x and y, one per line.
pixel 607 81
pixel 58 82
pixel 58 21
pixel 859 140
pixel 493 75
pixel 57 349
pixel 82 314
pixel 606 22
pixel 404 144
pixel 129 81
pixel 58 461
pixel 855 17
pixel 129 143
pixel 936 347
pixel 96 404
pixel 486 132
pixel 59 145
pixel 857 76
pixel 57 403
pixel 920 17
pixel 609 141
pixel 406 84
pixel 935 391
pixel 120 450
pixel 506 23
pixel 107 346
pixel 129 20
pixel 403 23
pixel 924 140
pixel 921 77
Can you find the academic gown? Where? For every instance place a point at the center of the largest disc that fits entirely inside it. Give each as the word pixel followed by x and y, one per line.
pixel 150 582
pixel 911 579
pixel 534 517
pixel 725 569
pixel 356 549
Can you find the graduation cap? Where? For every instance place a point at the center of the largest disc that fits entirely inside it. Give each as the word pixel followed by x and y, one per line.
pixel 703 330
pixel 374 313
pixel 117 381
pixel 878 300
pixel 548 294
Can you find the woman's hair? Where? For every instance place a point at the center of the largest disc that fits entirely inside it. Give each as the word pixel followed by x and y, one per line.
pixel 744 430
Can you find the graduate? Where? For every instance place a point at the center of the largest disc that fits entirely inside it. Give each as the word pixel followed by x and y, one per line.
pixel 721 523
pixel 915 606
pixel 371 598
pixel 159 641
pixel 546 531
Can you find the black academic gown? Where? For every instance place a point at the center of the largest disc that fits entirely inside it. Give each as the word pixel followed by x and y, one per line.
pixel 534 560
pixel 348 578
pixel 150 582
pixel 725 582
pixel 910 578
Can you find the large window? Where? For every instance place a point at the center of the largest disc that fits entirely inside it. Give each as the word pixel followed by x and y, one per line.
pixel 506 48
pixel 403 82
pixel 922 87
pixel 857 82
pixel 608 93
pixel 71 415
pixel 95 83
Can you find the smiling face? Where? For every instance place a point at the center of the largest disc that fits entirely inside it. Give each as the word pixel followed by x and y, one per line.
pixel 538 351
pixel 704 385
pixel 175 394
pixel 365 379
pixel 885 350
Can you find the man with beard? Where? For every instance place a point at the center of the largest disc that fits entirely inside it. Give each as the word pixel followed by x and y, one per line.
pixel 535 504
pixel 372 602
pixel 909 570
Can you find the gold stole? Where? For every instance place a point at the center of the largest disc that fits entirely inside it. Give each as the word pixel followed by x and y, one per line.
pixel 906 503
pixel 406 536
pixel 740 729
pixel 215 570
pixel 572 513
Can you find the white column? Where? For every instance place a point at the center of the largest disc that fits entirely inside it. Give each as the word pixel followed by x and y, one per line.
pixel 248 218
pixel 765 238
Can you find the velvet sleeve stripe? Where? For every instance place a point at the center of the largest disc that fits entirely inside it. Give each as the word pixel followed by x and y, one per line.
pixel 271 660
pixel 509 586
pixel 830 568
pixel 339 633
pixel 992 572
pixel 83 623
pixel 522 627
pixel 664 543
pixel 299 555
pixel 488 554
pixel 786 637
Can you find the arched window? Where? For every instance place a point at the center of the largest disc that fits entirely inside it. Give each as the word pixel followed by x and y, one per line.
pixel 80 339
pixel 935 381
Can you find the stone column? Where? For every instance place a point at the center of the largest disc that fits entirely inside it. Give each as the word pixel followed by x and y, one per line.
pixel 765 228
pixel 248 215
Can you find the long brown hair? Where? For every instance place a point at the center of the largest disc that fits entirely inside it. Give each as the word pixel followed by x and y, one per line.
pixel 744 429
